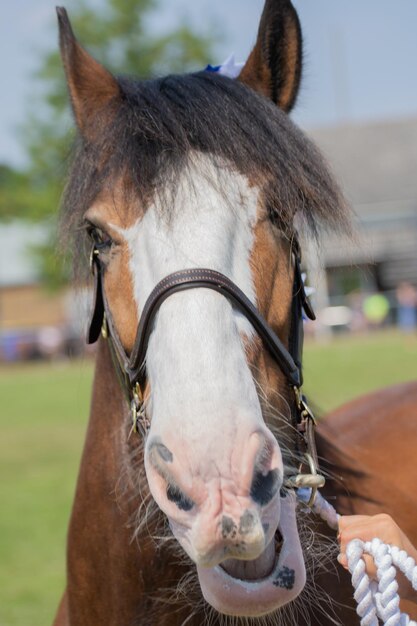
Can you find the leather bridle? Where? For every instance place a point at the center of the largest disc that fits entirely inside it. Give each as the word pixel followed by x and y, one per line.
pixel 131 369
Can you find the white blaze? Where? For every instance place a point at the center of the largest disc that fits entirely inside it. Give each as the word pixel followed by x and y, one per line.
pixel 196 361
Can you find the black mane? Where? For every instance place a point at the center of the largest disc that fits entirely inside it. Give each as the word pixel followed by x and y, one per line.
pixel 160 122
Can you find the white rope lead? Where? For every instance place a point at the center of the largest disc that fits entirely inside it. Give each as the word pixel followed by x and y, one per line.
pixel 320 507
pixel 378 601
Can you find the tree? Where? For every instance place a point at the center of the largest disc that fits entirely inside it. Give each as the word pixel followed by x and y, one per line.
pixel 118 36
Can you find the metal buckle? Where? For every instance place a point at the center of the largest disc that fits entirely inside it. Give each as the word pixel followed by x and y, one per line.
pixel 313 480
pixel 93 254
pixel 302 406
pixel 140 423
pixel 104 327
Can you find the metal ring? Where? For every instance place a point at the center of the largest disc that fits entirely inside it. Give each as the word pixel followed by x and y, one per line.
pixel 313 481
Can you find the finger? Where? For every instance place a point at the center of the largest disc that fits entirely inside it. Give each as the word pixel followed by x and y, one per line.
pixel 364 531
pixel 370 567
pixel 342 559
pixel 366 528
pixel 347 520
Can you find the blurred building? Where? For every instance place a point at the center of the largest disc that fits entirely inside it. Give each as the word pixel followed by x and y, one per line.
pixel 34 322
pixel 376 165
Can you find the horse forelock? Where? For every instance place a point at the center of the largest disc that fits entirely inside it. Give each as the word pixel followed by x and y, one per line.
pixel 149 139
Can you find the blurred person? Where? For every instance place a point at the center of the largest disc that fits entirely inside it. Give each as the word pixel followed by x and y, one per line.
pixel 406 295
pixel 355 301
pixel 50 341
pixel 382 526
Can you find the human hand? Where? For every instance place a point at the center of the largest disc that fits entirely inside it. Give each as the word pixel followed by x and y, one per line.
pixel 366 528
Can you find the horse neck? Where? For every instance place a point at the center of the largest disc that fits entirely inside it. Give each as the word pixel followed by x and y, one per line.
pixel 103 563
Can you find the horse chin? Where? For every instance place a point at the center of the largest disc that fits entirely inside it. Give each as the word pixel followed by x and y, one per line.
pixel 258 587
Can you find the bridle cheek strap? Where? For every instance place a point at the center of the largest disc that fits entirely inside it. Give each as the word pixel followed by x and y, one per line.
pixel 131 368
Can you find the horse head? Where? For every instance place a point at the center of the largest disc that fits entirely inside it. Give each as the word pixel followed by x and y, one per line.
pixel 203 171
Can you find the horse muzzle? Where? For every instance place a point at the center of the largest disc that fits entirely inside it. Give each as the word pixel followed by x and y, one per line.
pixel 263 585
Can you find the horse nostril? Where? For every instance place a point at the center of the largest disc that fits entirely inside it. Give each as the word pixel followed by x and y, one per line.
pixel 229 528
pixel 264 486
pixel 163 452
pixel 174 494
pixel 247 522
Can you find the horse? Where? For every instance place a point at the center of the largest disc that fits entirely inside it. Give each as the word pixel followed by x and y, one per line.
pixel 192 194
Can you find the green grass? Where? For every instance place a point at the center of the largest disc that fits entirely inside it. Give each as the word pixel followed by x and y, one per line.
pixel 350 366
pixel 43 413
pixel 42 420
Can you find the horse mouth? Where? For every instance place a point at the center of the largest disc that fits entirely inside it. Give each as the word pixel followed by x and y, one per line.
pixel 263 585
pixel 256 569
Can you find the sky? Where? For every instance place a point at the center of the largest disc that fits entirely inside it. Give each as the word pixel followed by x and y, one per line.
pixel 360 55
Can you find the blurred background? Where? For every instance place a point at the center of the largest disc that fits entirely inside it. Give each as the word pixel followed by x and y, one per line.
pixel 358 102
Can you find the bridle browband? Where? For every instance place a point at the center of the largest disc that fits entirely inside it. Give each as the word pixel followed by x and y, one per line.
pixel 131 369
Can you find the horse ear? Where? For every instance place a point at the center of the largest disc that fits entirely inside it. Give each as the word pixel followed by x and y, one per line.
pixel 274 65
pixel 92 88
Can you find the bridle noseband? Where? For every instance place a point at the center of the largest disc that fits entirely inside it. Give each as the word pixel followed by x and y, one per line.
pixel 131 368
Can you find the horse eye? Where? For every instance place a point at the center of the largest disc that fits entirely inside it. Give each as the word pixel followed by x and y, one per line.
pixel 99 236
